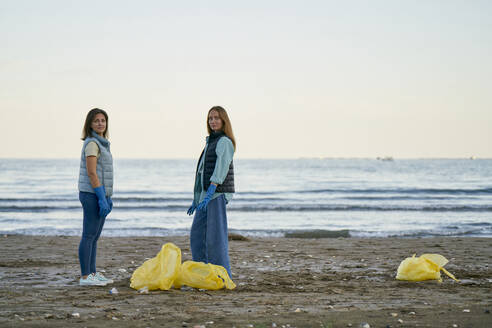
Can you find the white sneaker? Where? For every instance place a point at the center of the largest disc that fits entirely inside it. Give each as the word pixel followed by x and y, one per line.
pixel 99 276
pixel 91 280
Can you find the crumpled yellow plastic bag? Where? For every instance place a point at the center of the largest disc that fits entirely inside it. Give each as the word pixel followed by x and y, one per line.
pixel 164 270
pixel 425 267
pixel 203 275
pixel 158 272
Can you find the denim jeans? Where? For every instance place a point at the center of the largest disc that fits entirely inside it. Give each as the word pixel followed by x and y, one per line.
pixel 92 228
pixel 208 237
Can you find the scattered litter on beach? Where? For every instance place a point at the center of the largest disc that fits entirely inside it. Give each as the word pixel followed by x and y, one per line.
pixel 400 321
pixel 365 325
pixel 143 290
pixel 113 291
pixel 122 270
pixel 76 315
pixel 322 283
pixel 19 317
pixel 466 310
pixel 425 267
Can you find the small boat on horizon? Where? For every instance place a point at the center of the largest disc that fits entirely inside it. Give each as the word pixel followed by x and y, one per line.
pixel 385 159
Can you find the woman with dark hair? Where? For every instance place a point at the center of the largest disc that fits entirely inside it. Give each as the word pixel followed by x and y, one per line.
pixel 214 187
pixel 95 191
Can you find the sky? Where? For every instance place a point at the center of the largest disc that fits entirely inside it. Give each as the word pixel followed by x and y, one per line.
pixel 408 79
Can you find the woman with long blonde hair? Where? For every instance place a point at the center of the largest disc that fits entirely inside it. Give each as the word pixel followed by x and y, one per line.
pixel 214 188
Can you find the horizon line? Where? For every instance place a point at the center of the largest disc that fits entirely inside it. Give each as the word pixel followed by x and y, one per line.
pixel 260 158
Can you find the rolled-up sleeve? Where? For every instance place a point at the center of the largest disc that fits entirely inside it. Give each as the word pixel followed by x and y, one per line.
pixel 225 152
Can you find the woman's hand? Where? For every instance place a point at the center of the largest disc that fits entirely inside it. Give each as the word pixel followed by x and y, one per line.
pixel 208 197
pixel 191 209
pixel 104 208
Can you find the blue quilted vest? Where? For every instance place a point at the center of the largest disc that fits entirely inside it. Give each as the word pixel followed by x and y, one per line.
pixel 104 166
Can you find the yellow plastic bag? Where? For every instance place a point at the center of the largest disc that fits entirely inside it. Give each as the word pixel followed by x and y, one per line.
pixel 425 267
pixel 160 271
pixel 203 275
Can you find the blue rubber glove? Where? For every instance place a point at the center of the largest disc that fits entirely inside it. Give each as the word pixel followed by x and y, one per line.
pixel 110 202
pixel 208 197
pixel 191 209
pixel 102 201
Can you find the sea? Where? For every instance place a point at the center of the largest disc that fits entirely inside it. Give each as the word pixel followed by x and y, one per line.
pixel 367 197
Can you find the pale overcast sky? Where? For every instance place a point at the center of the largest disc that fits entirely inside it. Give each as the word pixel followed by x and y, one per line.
pixel 298 78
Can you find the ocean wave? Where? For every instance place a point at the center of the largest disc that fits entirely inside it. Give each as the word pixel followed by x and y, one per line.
pixel 479 224
pixel 32 208
pixel 37 209
pixel 150 199
pixel 408 197
pixel 458 233
pixel 329 208
pixel 447 191
pixel 302 233
pixel 442 232
pixel 21 200
pixel 271 208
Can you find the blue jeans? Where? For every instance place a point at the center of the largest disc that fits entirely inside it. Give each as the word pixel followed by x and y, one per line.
pixel 208 237
pixel 92 228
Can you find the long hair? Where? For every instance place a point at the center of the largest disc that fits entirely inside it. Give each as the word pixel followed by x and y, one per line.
pixel 86 132
pixel 226 123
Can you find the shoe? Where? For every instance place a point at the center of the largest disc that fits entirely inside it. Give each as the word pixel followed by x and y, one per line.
pixel 99 276
pixel 91 280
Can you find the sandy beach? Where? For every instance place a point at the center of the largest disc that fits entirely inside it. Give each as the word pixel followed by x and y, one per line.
pixel 281 282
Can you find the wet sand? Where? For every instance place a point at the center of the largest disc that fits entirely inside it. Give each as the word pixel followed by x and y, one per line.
pixel 281 282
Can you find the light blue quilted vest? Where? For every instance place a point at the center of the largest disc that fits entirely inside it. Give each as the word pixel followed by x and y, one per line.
pixel 104 166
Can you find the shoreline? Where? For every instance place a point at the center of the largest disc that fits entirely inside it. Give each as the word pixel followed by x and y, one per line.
pixel 282 233
pixel 326 282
